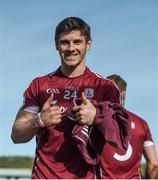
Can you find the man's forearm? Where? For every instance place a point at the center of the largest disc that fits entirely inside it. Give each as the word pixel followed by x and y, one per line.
pixel 24 129
pixel 149 153
pixel 150 171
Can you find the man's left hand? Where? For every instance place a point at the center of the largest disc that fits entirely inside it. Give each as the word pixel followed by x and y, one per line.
pixel 86 112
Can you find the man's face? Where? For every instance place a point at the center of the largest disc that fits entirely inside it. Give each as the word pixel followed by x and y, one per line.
pixel 72 48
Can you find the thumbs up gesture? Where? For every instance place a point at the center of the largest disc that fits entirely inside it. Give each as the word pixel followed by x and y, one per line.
pixel 50 114
pixel 85 113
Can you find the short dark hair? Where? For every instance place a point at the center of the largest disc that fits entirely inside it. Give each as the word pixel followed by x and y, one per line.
pixel 70 24
pixel 120 82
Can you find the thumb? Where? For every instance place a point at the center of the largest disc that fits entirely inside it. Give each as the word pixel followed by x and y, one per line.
pixel 49 100
pixel 84 99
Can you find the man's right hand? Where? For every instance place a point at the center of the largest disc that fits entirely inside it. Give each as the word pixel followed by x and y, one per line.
pixel 50 114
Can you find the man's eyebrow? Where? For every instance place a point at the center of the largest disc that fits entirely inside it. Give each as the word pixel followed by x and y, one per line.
pixel 78 40
pixel 63 40
pixel 66 40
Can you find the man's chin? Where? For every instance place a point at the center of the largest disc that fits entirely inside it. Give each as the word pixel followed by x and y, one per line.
pixel 70 59
pixel 71 62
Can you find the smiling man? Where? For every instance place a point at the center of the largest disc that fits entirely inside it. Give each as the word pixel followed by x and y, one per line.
pixel 50 111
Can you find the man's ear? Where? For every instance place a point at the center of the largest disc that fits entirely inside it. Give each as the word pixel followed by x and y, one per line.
pixel 89 45
pixel 123 99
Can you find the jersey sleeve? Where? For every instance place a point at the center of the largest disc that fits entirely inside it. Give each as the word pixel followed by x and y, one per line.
pixel 148 141
pixel 30 98
pixel 112 93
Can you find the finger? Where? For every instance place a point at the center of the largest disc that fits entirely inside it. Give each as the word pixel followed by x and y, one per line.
pixel 54 108
pixel 59 116
pixel 84 99
pixel 81 122
pixel 53 123
pixel 55 114
pixel 76 108
pixel 78 115
pixel 49 100
pixel 57 119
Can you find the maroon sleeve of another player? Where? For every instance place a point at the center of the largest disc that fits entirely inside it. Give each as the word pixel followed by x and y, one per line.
pixel 31 97
pixel 148 137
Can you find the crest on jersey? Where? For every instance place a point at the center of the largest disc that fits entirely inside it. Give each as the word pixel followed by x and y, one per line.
pixel 89 93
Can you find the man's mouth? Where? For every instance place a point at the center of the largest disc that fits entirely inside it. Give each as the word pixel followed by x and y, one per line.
pixel 70 55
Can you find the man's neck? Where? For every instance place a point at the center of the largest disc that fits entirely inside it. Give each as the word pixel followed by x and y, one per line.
pixel 73 71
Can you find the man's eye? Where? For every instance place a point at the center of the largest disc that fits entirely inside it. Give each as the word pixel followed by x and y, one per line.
pixel 64 42
pixel 77 42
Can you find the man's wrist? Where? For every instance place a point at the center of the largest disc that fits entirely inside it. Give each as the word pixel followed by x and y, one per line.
pixel 39 121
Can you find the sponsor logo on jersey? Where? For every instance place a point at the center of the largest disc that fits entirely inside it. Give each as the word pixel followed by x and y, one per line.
pixel 52 91
pixel 54 102
pixel 89 93
pixel 72 88
pixel 125 156
pixel 62 108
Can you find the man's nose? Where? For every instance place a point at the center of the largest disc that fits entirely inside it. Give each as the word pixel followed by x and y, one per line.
pixel 71 47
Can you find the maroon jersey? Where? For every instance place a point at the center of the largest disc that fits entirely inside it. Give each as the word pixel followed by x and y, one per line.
pixel 57 155
pixel 118 164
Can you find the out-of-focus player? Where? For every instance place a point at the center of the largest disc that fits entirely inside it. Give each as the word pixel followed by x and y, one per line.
pixel 120 164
